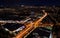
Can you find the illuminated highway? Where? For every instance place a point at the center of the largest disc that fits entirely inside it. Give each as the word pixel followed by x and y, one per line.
pixel 31 27
pixel 24 21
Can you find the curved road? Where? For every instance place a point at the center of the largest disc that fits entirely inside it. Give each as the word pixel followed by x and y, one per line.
pixel 31 26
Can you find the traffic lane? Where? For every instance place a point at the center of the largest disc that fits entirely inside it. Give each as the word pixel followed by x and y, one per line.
pixel 25 31
pixel 22 33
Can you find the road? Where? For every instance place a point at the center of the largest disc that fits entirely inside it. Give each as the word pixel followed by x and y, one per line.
pixel 31 26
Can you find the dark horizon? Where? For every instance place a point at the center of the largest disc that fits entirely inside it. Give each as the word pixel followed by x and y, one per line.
pixel 29 2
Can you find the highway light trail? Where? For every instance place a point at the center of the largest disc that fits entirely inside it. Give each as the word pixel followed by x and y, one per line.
pixel 39 20
pixel 25 31
pixel 31 26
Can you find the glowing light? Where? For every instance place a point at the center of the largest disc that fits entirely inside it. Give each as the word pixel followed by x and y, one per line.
pixel 31 26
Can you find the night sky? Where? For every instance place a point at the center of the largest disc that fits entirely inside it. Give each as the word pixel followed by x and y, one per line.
pixel 29 2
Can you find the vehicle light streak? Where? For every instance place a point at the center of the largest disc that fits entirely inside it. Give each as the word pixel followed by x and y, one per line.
pixel 25 31
pixel 30 27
